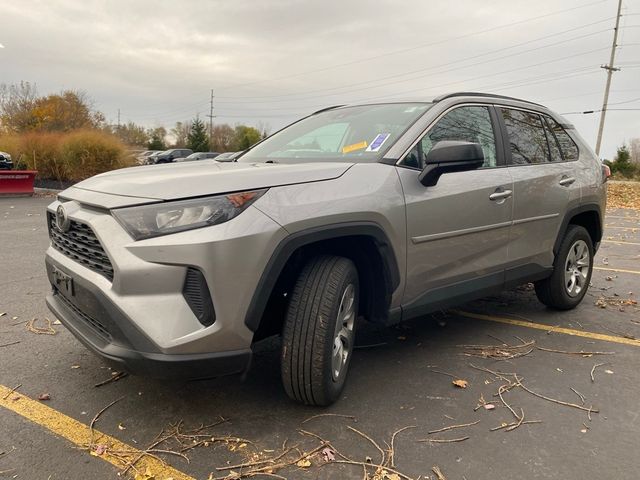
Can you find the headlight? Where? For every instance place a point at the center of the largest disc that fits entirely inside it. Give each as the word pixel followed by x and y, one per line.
pixel 158 219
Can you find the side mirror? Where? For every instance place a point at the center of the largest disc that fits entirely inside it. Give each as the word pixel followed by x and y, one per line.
pixel 450 156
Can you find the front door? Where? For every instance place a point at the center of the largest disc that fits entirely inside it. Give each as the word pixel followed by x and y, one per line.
pixel 457 230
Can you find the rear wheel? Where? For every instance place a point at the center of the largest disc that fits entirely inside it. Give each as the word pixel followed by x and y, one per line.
pixel 568 284
pixel 319 330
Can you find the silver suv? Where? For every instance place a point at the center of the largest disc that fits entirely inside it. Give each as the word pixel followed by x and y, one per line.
pixel 384 211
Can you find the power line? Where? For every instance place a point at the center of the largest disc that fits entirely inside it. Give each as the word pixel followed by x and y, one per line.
pixel 446 84
pixel 589 112
pixel 549 77
pixel 416 47
pixel 580 37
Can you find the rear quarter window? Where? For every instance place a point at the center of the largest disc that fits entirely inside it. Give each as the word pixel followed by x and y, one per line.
pixel 569 148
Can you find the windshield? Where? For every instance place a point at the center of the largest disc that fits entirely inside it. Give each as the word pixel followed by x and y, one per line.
pixel 355 134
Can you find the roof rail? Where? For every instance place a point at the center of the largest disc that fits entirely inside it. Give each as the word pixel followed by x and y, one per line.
pixel 478 94
pixel 327 108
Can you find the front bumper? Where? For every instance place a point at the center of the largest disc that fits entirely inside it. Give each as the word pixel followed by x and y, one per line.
pixel 139 318
pixel 103 328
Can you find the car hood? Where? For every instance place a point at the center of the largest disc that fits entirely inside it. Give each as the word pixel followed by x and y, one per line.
pixel 206 177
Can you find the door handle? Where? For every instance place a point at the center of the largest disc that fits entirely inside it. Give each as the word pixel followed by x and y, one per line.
pixel 500 195
pixel 566 181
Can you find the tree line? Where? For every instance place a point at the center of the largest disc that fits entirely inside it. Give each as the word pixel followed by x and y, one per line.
pixel 23 110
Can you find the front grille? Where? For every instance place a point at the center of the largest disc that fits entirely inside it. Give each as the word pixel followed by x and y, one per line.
pixel 81 245
pixel 96 325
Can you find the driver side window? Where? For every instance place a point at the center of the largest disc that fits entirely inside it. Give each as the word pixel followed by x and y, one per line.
pixel 469 124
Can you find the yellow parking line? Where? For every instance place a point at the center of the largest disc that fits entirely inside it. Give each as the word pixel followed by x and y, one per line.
pixel 548 328
pixel 620 241
pixel 620 270
pixel 80 434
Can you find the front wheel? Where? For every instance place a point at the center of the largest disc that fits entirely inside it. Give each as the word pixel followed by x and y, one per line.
pixel 319 330
pixel 572 268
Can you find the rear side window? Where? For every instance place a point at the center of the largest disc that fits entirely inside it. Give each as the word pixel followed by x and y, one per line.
pixel 527 139
pixel 554 148
pixel 567 145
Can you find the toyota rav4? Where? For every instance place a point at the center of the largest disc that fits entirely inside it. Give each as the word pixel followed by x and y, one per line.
pixel 384 211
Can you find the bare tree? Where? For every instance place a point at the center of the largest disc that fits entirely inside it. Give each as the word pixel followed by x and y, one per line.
pixel 180 132
pixel 17 102
pixel 635 150
pixel 223 138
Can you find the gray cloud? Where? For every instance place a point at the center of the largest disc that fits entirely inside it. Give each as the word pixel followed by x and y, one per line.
pixel 273 61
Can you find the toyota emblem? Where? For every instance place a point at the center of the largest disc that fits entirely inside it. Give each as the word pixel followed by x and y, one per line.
pixel 62 219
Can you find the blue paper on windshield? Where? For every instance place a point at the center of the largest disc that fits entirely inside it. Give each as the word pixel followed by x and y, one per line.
pixel 377 142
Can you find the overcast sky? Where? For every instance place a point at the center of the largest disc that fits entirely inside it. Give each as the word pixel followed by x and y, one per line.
pixel 275 60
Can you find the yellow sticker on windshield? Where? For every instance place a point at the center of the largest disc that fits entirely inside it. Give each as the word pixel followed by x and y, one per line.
pixel 354 146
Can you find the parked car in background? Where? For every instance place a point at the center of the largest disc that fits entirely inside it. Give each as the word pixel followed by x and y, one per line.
pixel 197 156
pixel 170 155
pixel 5 161
pixel 151 159
pixel 142 157
pixel 227 156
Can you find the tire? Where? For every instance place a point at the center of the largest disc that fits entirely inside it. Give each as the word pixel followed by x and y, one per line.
pixel 320 325
pixel 559 290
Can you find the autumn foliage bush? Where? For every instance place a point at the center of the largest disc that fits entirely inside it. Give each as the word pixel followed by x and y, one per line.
pixel 66 157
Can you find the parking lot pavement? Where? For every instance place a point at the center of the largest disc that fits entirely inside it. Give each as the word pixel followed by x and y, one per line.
pixel 400 377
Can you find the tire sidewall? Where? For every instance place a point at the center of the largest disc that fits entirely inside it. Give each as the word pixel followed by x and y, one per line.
pixel 332 387
pixel 573 234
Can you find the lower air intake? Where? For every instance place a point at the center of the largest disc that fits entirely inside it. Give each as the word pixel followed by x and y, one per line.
pixel 196 293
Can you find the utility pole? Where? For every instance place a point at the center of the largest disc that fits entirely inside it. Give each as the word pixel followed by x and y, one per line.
pixel 211 121
pixel 118 119
pixel 610 69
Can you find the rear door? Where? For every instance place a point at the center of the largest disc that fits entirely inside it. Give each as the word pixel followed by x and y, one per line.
pixel 457 230
pixel 543 186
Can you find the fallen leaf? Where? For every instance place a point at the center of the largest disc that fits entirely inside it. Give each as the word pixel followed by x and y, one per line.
pixel 489 406
pixel 460 383
pixel 328 454
pixel 121 427
pixel 44 397
pixel 3 314
pixel 75 366
pixel 608 371
pixel 402 338
pixel 584 430
pixel 304 463
pixel 99 450
pixel 391 476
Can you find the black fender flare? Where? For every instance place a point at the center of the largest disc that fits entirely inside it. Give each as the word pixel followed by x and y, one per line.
pixel 291 243
pixel 588 207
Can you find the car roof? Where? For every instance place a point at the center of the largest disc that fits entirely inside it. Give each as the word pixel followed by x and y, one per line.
pixel 439 98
